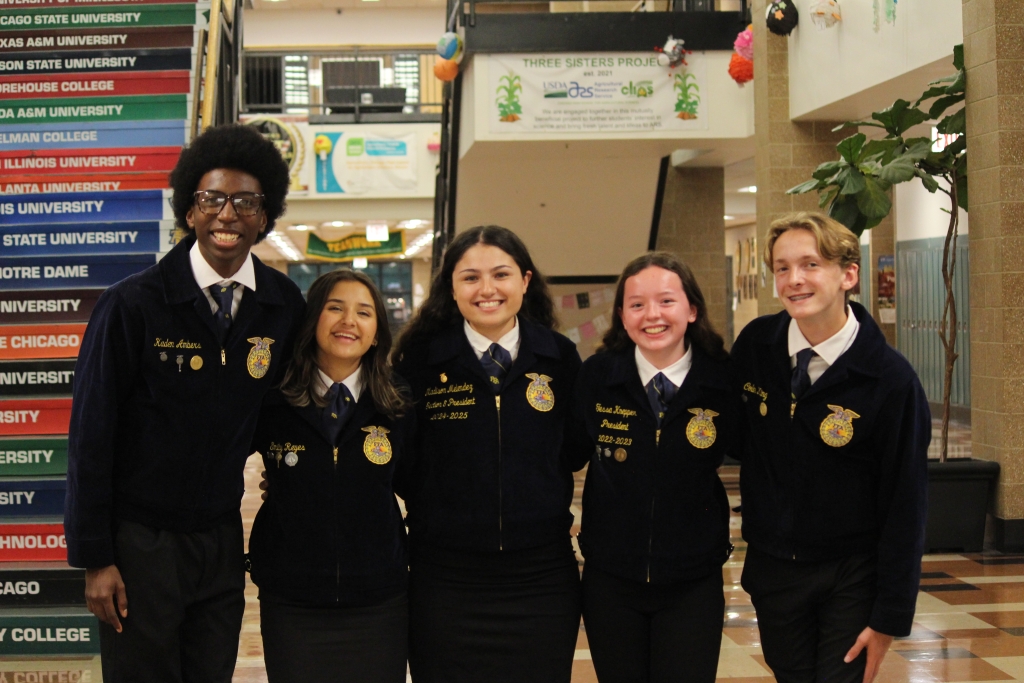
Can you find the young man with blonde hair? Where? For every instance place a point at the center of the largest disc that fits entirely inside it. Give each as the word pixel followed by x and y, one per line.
pixel 835 432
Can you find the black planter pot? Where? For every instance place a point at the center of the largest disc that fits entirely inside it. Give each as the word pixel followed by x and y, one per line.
pixel 958 497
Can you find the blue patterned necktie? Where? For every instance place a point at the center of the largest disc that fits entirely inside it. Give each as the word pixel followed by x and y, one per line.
pixel 496 362
pixel 224 296
pixel 800 382
pixel 336 412
pixel 660 392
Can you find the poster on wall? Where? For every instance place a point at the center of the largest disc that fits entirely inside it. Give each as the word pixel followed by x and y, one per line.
pixel 887 289
pixel 365 163
pixel 596 92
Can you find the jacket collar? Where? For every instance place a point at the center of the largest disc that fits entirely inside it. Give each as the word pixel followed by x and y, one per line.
pixel 704 373
pixel 180 285
pixel 364 410
pixel 861 358
pixel 534 341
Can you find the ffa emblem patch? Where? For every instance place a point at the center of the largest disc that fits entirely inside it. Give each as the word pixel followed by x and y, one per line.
pixel 837 429
pixel 376 447
pixel 764 409
pixel 700 431
pixel 444 378
pixel 539 392
pixel 258 361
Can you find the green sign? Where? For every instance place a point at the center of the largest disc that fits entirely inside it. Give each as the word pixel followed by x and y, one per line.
pixel 352 246
pixel 97 17
pixel 33 456
pixel 91 109
pixel 48 632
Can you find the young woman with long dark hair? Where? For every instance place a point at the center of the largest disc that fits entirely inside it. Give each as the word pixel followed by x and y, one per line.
pixel 494 584
pixel 652 414
pixel 327 548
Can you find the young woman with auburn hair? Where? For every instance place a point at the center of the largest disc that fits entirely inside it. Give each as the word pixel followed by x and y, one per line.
pixel 651 414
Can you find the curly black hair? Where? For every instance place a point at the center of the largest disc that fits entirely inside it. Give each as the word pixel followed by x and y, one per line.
pixel 237 147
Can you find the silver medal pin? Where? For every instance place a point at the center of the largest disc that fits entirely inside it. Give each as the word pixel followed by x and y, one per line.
pixel 290 458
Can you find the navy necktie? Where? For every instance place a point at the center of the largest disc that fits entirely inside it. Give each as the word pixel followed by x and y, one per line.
pixel 660 392
pixel 497 362
pixel 336 412
pixel 224 295
pixel 801 380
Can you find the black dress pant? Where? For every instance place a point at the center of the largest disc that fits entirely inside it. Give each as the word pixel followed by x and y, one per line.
pixel 323 644
pixel 493 617
pixel 653 633
pixel 185 602
pixel 809 614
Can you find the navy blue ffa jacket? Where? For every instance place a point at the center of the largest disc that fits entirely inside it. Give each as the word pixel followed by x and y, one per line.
pixel 654 509
pixel 847 474
pixel 330 532
pixel 163 414
pixel 489 474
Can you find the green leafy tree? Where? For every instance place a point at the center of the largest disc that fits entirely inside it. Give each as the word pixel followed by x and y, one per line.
pixel 508 97
pixel 856 186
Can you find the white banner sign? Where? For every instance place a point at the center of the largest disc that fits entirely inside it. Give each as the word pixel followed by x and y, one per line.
pixel 596 92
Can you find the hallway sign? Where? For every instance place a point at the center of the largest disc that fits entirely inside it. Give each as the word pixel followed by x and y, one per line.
pixel 603 92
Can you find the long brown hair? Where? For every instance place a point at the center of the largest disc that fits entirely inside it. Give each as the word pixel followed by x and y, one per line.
pixel 700 332
pixel 440 311
pixel 302 375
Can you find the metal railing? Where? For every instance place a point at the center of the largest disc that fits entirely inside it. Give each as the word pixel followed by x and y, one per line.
pixel 350 85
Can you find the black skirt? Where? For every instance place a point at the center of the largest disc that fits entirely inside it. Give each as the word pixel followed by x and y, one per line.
pixel 500 617
pixel 306 644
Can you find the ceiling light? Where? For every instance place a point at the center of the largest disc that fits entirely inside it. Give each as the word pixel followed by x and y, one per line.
pixel 336 224
pixel 412 224
pixel 360 263
pixel 285 246
pixel 420 242
pixel 749 188
pixel 728 218
pixel 302 227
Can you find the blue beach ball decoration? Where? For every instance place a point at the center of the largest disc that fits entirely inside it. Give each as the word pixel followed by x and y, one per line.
pixel 450 46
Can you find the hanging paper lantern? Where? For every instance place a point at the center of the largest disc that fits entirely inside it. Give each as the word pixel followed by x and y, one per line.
pixel 782 17
pixel 450 46
pixel 446 69
pixel 744 43
pixel 741 69
pixel 825 13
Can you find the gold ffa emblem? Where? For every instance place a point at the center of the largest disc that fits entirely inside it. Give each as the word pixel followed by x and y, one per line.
pixel 539 392
pixel 444 378
pixel 258 361
pixel 764 409
pixel 376 447
pixel 700 431
pixel 837 429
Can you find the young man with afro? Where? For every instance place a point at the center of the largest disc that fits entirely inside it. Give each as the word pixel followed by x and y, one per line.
pixel 169 381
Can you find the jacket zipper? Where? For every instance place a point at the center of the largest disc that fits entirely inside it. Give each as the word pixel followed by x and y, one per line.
pixel 650 537
pixel 497 404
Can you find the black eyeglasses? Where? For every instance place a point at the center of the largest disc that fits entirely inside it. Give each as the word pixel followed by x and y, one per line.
pixel 211 202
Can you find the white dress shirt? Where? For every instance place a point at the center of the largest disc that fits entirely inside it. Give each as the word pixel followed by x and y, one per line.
pixel 828 351
pixel 206 277
pixel 509 341
pixel 354 382
pixel 675 373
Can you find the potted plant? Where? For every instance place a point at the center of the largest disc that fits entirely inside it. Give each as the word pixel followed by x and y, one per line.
pixel 856 190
